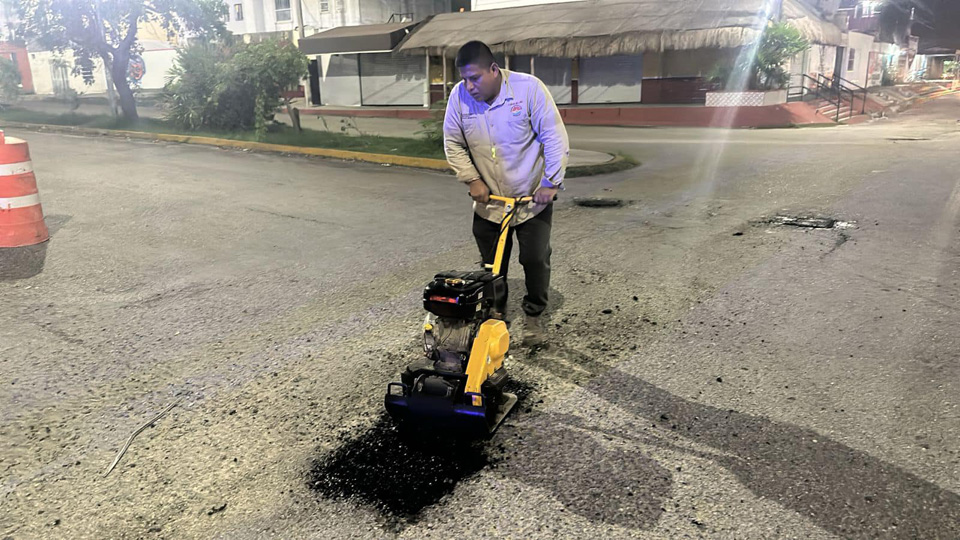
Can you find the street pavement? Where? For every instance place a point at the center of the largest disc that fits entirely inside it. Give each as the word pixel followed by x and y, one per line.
pixel 712 372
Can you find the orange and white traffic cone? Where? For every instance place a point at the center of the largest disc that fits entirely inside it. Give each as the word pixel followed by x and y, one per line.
pixel 21 217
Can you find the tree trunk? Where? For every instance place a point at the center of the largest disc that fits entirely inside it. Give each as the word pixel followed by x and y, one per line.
pixel 127 103
pixel 118 71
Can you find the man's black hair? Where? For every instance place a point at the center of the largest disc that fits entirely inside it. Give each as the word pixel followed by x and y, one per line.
pixel 475 53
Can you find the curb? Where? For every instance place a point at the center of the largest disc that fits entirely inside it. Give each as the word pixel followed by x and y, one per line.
pixel 403 161
pixel 613 165
pixel 439 165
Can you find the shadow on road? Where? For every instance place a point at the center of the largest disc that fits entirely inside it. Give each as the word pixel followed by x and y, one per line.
pixel 26 262
pixel 845 491
pixel 600 483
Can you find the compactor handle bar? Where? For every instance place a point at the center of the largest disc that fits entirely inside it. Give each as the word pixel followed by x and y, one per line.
pixel 510 205
pixel 512 200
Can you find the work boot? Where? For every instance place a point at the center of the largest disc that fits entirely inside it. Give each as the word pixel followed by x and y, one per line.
pixel 500 315
pixel 533 334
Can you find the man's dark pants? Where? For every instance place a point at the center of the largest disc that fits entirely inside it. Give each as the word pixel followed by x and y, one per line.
pixel 534 238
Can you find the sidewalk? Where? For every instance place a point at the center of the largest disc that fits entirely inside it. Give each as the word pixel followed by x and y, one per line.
pixel 384 127
pixel 770 116
pixel 91 105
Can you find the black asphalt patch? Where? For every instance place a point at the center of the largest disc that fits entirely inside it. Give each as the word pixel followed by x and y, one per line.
pixel 397 474
pixel 401 473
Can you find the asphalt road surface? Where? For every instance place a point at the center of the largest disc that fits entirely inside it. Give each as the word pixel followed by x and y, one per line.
pixel 712 373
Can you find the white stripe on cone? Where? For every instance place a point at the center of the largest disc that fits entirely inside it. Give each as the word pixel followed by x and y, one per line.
pixel 10 203
pixel 10 169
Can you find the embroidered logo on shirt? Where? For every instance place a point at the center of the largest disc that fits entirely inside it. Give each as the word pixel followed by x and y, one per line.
pixel 516 110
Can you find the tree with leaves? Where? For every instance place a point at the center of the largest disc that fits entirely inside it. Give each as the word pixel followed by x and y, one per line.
pixel 762 66
pixel 231 88
pixel 107 30
pixel 780 42
pixel 9 82
pixel 267 69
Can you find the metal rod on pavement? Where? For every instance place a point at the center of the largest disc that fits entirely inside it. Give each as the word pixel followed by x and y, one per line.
pixel 133 436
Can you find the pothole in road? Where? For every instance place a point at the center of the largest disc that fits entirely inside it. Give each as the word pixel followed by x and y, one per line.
pixel 598 202
pixel 811 222
pixel 807 222
pixel 399 474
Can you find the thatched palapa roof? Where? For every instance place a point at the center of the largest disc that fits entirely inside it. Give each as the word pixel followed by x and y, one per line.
pixel 610 27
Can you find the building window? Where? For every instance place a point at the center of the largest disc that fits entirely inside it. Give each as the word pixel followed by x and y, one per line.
pixel 852 60
pixel 324 6
pixel 283 10
pixel 238 12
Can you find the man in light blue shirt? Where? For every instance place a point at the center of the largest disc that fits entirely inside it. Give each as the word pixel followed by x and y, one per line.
pixel 503 135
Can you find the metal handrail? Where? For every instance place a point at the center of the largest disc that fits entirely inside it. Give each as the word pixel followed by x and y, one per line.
pixel 817 86
pixel 859 89
pixel 849 83
pixel 833 90
pixel 824 91
pixel 400 17
pixel 803 88
pixel 839 83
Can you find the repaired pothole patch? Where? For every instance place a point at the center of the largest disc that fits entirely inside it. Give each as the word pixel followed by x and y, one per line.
pixel 401 473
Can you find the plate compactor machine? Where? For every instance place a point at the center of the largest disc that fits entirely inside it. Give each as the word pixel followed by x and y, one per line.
pixel 458 385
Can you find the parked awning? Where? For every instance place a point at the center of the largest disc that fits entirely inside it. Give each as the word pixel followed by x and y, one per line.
pixel 356 39
pixel 612 27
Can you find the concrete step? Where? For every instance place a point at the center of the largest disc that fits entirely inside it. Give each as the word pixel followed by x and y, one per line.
pixel 833 109
pixel 858 119
pixel 832 113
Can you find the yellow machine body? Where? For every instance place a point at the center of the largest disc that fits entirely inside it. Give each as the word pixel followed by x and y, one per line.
pixel 492 342
pixel 438 403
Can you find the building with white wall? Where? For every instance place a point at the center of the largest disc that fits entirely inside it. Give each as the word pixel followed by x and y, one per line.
pixel 343 39
pixel 858 54
pixel 355 65
pixel 867 57
pixel 261 19
pixel 618 51
pixel 53 73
